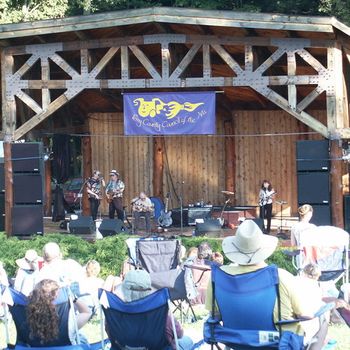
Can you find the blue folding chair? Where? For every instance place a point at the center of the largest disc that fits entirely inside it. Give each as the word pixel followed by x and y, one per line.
pixel 63 303
pixel 137 324
pixel 246 303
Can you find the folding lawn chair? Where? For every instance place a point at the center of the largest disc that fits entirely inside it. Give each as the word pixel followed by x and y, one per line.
pixel 246 304
pixel 138 324
pixel 160 258
pixel 17 303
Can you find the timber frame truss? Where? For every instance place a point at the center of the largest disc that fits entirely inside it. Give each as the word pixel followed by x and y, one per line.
pixel 248 72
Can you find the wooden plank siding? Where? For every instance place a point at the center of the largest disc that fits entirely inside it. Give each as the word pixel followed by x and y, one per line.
pixel 132 157
pixel 195 166
pixel 271 157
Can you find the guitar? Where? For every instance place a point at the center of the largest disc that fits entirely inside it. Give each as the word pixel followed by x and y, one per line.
pixel 165 219
pixel 264 199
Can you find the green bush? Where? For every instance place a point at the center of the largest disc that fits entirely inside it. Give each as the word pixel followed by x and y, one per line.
pixel 110 252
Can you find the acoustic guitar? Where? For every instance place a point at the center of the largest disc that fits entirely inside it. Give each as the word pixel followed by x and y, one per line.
pixel 165 219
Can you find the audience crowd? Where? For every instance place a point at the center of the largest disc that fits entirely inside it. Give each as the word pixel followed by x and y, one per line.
pixel 40 279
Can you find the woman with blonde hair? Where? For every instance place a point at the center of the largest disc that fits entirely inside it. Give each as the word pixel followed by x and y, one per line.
pixel 305 214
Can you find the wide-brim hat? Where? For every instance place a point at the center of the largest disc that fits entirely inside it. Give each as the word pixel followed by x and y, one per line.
pixel 249 246
pixel 30 259
pixel 114 172
pixel 136 282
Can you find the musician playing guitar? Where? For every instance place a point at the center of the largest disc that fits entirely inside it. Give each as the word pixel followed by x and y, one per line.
pixel 265 202
pixel 114 192
pixel 94 187
pixel 142 206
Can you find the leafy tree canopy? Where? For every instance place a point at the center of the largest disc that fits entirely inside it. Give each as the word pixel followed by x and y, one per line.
pixel 12 11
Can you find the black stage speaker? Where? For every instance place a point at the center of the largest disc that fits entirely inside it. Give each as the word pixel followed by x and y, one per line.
pixel 198 213
pixel 2 211
pixel 321 215
pixel 82 226
pixel 347 213
pixel 111 227
pixel 176 216
pixel 209 225
pixel 27 157
pixel 27 188
pixel 313 188
pixel 27 220
pixel 312 155
pixel 2 177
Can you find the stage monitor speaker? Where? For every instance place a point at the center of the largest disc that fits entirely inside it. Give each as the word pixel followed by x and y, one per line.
pixel 313 188
pixel 198 213
pixel 27 188
pixel 208 226
pixel 259 222
pixel 312 155
pixel 176 216
pixel 84 225
pixel 347 213
pixel 111 227
pixel 27 220
pixel 321 214
pixel 27 157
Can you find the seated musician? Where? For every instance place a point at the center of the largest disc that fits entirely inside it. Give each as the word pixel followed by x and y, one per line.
pixel 142 207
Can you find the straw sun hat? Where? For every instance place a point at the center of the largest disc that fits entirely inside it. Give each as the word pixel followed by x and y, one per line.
pixel 250 246
pixel 29 261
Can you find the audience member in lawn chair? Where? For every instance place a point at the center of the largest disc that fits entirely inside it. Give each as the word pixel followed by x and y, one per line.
pixel 133 302
pixel 48 317
pixel 239 286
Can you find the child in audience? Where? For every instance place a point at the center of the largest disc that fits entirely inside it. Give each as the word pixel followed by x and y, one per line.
pixel 27 273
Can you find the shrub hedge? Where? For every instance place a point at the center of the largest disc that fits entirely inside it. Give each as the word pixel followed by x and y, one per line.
pixel 110 252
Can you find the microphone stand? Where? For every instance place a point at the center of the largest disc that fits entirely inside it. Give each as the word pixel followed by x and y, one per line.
pixel 181 209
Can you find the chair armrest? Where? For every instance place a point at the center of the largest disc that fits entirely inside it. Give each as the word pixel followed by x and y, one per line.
pixel 320 312
pixel 291 253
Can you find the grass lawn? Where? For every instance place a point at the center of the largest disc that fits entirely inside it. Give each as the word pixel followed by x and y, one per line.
pixel 338 332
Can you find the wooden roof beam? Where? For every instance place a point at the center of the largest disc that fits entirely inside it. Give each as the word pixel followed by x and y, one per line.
pixel 173 15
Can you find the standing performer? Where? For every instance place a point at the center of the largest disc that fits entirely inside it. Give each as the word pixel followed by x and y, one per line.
pixel 142 206
pixel 94 190
pixel 114 193
pixel 265 202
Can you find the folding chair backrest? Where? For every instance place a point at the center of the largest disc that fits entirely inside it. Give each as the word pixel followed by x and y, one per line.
pixel 246 301
pixel 158 255
pixel 19 315
pixel 140 323
pixel 158 206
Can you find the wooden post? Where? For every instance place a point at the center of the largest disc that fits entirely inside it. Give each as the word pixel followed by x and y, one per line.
pixel 47 172
pixel 158 166
pixel 230 157
pixel 336 184
pixel 8 128
pixel 87 170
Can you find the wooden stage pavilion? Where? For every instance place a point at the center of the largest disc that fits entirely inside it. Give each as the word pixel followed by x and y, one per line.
pixel 278 78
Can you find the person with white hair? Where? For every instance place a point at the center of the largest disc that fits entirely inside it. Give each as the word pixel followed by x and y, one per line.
pixel 248 250
pixel 55 268
pixel 137 285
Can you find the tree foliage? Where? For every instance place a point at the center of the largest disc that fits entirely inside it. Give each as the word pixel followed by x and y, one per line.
pixel 29 10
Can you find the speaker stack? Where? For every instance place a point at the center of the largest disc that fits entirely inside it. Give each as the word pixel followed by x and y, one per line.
pixel 28 168
pixel 313 167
